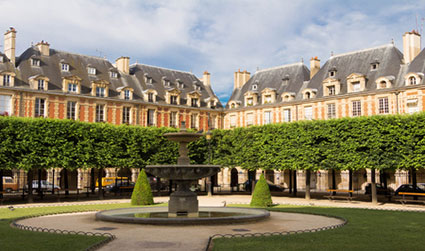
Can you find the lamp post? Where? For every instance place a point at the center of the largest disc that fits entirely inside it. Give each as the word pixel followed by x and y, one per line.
pixel 209 187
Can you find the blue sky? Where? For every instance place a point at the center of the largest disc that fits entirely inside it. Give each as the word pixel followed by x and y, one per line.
pixel 218 36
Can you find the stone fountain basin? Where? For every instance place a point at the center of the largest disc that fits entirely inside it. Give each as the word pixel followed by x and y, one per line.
pixel 182 172
pixel 184 137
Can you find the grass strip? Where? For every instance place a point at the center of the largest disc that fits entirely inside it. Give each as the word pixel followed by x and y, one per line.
pixel 366 230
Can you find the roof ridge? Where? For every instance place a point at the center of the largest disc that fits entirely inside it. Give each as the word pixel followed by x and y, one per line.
pixel 83 55
pixel 136 64
pixel 362 50
pixel 280 66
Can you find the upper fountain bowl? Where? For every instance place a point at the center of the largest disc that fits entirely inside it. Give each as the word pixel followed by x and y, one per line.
pixel 182 136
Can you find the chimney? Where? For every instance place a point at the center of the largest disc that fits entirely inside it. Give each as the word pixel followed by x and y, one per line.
pixel 206 78
pixel 123 64
pixel 10 44
pixel 314 66
pixel 241 78
pixel 411 45
pixel 43 47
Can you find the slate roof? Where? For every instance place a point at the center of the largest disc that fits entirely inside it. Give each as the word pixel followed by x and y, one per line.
pixel 418 64
pixel 285 78
pixel 388 57
pixel 5 64
pixel 50 66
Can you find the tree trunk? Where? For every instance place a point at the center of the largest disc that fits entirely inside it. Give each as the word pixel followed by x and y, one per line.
pixel 290 181
pixel 100 186
pixel 40 189
pixel 209 187
pixel 53 181
pixel 307 184
pixel 333 181
pixel 170 185
pixel 350 181
pixel 295 184
pixel 414 182
pixel 1 183
pixel 92 181
pixel 30 198
pixel 65 179
pixel 373 188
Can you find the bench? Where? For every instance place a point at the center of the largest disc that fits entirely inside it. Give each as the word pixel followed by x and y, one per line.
pixel 331 195
pixel 404 200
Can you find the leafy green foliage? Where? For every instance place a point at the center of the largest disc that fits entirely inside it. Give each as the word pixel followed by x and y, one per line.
pixel 142 193
pixel 261 196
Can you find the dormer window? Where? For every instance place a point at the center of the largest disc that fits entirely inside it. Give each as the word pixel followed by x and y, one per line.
pixel 267 99
pixel 412 80
pixel 35 62
pixel 254 87
pixel 382 84
pixel 40 84
pixel 196 87
pixel 250 101
pixel 7 80
pixel 150 97
pixel 307 95
pixel 331 90
pixel 65 67
pixel 91 70
pixel 332 73
pixel 100 91
pixel 113 74
pixel 72 87
pixel 374 66
pixel 1 59
pixel 194 102
pixel 166 82
pixel 127 94
pixel 355 86
pixel 233 105
pixel 173 100
pixel 148 80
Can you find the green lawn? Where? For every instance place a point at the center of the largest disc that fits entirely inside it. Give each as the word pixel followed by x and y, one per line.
pixel 366 230
pixel 15 239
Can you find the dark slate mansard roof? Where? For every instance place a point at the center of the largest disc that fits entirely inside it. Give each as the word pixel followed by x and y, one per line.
pixel 50 66
pixel 388 57
pixel 286 78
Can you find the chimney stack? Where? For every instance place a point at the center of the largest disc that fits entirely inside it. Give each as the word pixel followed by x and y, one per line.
pixel 206 79
pixel 123 64
pixel 43 47
pixel 241 78
pixel 411 45
pixel 10 44
pixel 314 66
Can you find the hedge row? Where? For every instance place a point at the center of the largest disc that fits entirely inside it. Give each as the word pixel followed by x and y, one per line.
pixel 378 142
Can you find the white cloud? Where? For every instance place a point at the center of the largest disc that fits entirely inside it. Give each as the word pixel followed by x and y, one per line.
pixel 218 36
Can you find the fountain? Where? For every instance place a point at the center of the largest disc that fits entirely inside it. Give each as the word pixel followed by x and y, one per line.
pixel 183 206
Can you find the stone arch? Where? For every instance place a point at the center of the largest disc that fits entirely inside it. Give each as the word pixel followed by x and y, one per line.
pixel 234 179
pixel 43 175
pixel 269 175
pixel 124 172
pixel 72 179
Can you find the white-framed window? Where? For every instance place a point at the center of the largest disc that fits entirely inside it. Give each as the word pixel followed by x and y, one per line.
pixel 332 73
pixel 113 74
pixel 307 95
pixel 267 99
pixel 374 66
pixel 127 94
pixel 331 90
pixel 308 113
pixel 412 80
pixel 331 111
pixel 40 85
pixel 250 101
pixel 382 84
pixel 213 122
pixel 91 70
pixel 64 67
pixel 173 119
pixel 287 115
pixel 412 106
pixel 173 100
pixel 383 105
pixel 151 117
pixel 71 108
pixel 72 87
pixel 232 120
pixel 151 97
pixel 5 104
pixel 357 108
pixel 194 102
pixel 100 91
pixel 6 80
pixel 39 106
pixel 268 117
pixel 356 86
pixel 35 62
pixel 126 115
pixel 249 119
pixel 100 113
pixel 254 87
pixel 194 121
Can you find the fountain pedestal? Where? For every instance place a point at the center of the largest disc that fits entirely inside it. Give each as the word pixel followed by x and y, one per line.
pixel 183 201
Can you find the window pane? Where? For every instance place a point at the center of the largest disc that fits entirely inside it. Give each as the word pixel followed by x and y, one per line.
pixel 5 104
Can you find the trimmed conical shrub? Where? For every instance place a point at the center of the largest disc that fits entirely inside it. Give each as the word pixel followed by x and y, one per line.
pixel 261 196
pixel 142 193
